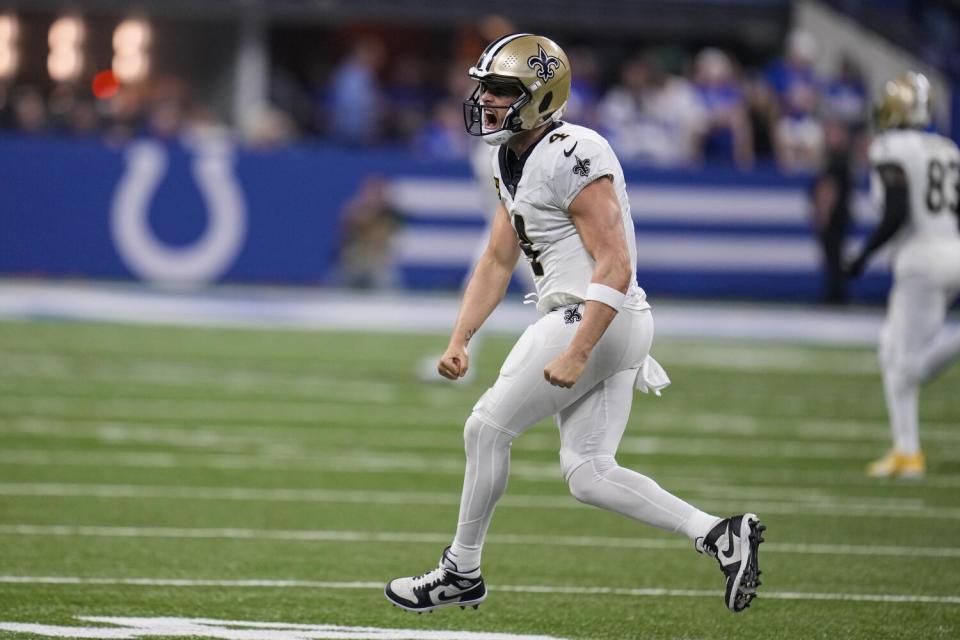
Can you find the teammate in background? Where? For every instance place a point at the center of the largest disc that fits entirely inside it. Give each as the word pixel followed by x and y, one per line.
pixel 916 182
pixel 563 198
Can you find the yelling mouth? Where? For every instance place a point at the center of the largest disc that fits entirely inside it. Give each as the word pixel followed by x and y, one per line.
pixel 489 119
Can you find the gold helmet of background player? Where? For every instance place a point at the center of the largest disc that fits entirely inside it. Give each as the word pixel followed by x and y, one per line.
pixel 532 66
pixel 904 102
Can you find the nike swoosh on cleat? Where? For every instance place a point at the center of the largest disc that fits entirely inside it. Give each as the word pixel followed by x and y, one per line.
pixel 570 150
pixel 443 597
pixel 728 552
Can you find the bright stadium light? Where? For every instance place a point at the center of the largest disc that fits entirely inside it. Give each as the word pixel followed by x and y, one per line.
pixel 131 61
pixel 65 60
pixel 8 46
pixel 130 68
pixel 8 62
pixel 8 29
pixel 64 64
pixel 66 32
pixel 131 36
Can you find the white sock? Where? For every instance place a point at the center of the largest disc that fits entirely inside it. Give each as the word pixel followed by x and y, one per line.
pixel 484 482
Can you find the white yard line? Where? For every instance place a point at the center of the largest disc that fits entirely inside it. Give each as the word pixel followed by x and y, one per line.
pixel 314 535
pixel 537 589
pixel 160 373
pixel 322 414
pixel 801 498
pixel 315 412
pixel 656 424
pixel 404 463
pixel 35 362
pixel 168 627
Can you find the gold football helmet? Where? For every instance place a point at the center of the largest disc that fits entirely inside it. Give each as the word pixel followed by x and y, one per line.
pixel 904 102
pixel 533 68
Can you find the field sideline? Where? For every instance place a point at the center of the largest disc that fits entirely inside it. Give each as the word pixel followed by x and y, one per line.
pixel 281 476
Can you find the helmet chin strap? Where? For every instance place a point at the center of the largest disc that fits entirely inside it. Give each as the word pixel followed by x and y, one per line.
pixel 498 137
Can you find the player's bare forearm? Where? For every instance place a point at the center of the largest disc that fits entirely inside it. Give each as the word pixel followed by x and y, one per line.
pixel 488 283
pixel 596 318
pixel 597 216
pixel 484 291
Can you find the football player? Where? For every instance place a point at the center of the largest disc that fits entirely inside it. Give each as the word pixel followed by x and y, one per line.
pixel 915 180
pixel 563 203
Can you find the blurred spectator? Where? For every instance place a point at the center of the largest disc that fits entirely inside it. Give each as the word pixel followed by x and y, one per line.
pixel 408 97
pixel 763 113
pixel 798 133
pixel 356 95
pixel 83 119
pixel 729 136
pixel 201 124
pixel 799 143
pixel 831 208
pixel 845 95
pixel 443 137
pixel 165 118
pixel 585 93
pixel 457 83
pixel 125 114
pixel 272 127
pixel 60 103
pixel 792 77
pixel 470 42
pixel 368 225
pixel 166 105
pixel 652 117
pixel 798 137
pixel 29 110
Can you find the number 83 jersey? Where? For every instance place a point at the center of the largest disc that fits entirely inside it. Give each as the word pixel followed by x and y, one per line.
pixel 537 188
pixel 931 164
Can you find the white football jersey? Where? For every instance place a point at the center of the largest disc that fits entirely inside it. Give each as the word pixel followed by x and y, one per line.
pixel 932 165
pixel 555 170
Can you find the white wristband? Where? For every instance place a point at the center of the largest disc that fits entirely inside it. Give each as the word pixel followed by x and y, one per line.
pixel 607 295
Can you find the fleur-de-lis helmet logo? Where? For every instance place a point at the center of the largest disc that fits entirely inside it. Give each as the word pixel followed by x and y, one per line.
pixel 543 63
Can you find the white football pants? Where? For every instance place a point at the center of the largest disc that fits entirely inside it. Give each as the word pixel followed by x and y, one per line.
pixel 914 347
pixel 591 417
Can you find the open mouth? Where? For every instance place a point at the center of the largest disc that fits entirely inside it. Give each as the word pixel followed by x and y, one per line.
pixel 489 119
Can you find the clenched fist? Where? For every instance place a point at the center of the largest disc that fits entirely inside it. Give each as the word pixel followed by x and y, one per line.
pixel 564 370
pixel 454 363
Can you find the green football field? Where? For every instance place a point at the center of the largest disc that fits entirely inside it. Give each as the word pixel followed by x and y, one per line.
pixel 282 477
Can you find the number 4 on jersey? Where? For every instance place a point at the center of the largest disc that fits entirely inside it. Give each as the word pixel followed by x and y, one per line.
pixel 526 245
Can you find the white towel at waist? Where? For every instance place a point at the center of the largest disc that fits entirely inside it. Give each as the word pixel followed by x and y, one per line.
pixel 651 376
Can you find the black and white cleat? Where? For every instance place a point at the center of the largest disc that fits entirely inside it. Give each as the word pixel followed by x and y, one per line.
pixel 735 543
pixel 444 586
